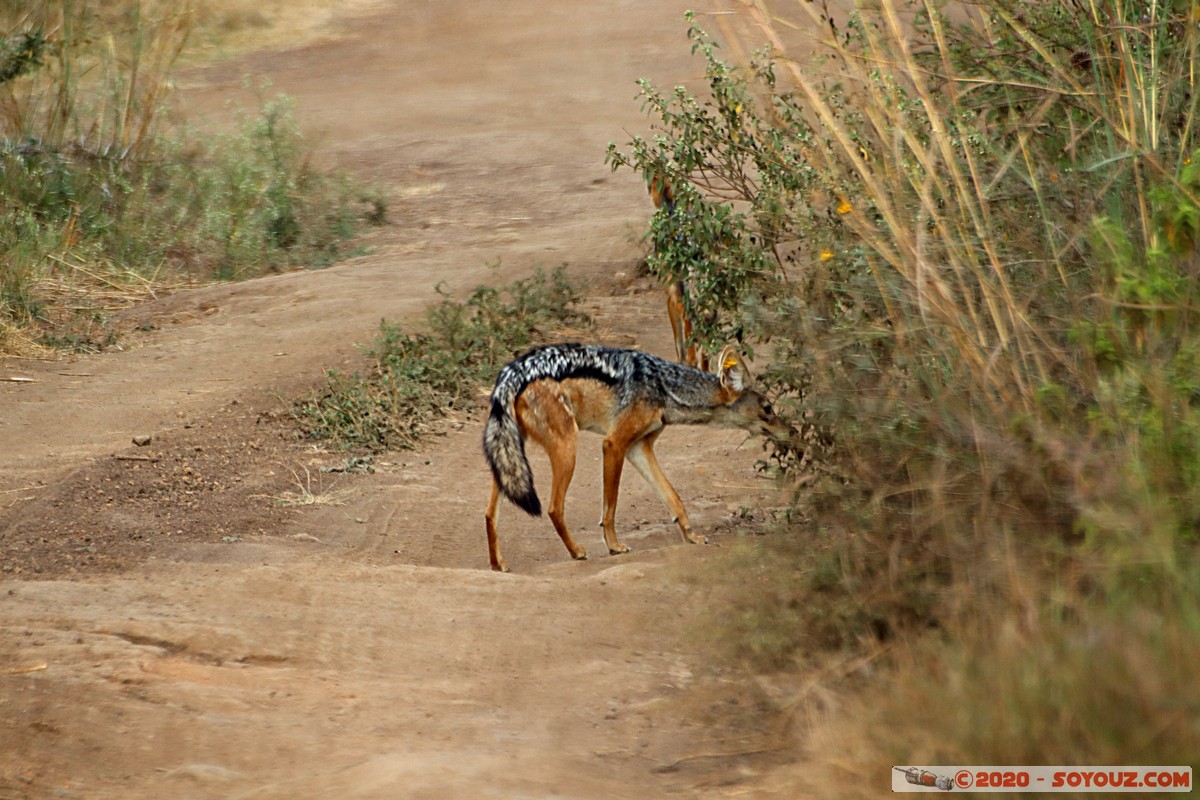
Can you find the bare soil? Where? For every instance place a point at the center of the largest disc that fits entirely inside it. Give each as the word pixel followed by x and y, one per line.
pixel 220 613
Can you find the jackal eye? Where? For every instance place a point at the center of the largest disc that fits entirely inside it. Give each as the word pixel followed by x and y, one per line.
pixel 766 407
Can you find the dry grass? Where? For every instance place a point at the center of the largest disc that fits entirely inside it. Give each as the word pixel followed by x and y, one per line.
pixel 14 342
pixel 105 202
pixel 996 310
pixel 307 494
pixel 1109 691
pixel 100 79
pixel 229 27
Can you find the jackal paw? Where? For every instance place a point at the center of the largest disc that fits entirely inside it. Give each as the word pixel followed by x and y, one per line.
pixel 579 555
pixel 695 538
pixel 619 549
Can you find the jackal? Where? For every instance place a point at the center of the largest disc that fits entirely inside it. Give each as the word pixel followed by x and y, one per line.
pixel 627 396
pixel 679 300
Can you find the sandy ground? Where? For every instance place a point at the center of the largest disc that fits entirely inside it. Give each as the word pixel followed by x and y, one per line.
pixel 213 616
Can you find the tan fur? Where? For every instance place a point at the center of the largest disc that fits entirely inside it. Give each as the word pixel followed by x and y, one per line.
pixel 681 322
pixel 686 350
pixel 551 413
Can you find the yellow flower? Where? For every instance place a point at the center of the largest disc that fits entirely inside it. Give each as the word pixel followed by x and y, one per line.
pixel 844 207
pixel 826 254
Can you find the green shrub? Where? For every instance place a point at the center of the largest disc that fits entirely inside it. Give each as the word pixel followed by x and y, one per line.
pixel 250 201
pixel 978 270
pixel 99 191
pixel 416 379
pixel 965 302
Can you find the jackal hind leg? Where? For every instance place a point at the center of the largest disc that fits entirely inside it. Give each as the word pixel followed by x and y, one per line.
pixel 549 422
pixel 493 538
pixel 562 469
pixel 641 455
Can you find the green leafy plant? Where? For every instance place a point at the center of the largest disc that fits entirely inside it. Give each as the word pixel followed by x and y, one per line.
pixel 101 196
pixel 418 378
pixel 984 218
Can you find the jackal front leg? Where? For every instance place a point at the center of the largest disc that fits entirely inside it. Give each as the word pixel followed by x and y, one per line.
pixel 614 458
pixel 641 455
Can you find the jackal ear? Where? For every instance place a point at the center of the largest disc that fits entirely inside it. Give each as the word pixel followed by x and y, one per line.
pixel 732 370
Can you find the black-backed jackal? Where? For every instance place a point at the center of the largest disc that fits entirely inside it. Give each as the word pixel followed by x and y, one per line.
pixel 627 396
pixel 678 300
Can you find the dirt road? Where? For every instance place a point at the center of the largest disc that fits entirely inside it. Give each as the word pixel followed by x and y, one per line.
pixel 212 616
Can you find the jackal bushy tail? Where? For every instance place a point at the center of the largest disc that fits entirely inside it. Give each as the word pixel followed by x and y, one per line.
pixel 503 444
pixel 551 393
pixel 504 448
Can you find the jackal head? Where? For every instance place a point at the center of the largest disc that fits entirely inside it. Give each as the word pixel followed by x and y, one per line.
pixel 745 407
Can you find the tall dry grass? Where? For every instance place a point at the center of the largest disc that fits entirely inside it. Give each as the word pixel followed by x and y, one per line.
pixel 987 217
pixel 106 199
pixel 1025 207
pixel 99 76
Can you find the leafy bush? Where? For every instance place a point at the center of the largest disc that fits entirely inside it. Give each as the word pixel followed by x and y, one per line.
pixel 978 268
pixel 986 315
pixel 251 202
pixel 417 378
pixel 99 196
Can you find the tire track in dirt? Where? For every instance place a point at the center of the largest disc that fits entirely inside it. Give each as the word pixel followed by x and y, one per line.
pixel 363 650
pixel 495 158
